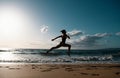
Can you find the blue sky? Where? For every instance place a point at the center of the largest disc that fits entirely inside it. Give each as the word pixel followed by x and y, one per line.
pixel 91 24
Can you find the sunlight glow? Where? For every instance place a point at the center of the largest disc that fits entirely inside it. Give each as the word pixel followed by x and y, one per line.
pixel 16 26
pixel 6 56
pixel 11 22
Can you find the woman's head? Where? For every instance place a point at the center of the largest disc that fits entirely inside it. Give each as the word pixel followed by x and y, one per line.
pixel 63 31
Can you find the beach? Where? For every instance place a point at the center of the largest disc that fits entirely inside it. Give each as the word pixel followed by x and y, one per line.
pixel 33 63
pixel 59 70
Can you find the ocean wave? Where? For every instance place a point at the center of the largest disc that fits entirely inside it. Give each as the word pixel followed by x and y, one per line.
pixel 54 53
pixel 59 56
pixel 61 59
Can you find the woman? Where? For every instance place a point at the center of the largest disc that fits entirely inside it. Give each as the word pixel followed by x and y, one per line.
pixel 64 36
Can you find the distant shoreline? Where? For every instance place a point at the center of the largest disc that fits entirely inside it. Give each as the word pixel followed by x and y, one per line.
pixel 2 49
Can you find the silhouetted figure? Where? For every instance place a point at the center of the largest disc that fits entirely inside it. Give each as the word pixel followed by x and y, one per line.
pixel 64 36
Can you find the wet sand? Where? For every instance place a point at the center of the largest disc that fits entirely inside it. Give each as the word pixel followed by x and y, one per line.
pixel 59 70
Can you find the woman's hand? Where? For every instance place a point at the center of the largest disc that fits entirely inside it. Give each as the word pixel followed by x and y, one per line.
pixel 52 39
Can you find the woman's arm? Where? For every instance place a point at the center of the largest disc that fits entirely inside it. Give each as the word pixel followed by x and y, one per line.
pixel 56 38
pixel 68 36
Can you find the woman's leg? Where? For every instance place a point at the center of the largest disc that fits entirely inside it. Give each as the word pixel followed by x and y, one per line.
pixel 69 48
pixel 58 46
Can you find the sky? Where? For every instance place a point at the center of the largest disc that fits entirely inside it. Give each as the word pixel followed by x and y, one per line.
pixel 91 24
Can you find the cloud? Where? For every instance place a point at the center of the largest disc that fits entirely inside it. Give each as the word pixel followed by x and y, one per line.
pixel 103 34
pixel 44 29
pixel 89 40
pixel 118 33
pixel 75 33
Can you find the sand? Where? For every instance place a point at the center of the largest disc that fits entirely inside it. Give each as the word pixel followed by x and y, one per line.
pixel 59 70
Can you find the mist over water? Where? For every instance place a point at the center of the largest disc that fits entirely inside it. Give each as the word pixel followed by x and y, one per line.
pixel 60 56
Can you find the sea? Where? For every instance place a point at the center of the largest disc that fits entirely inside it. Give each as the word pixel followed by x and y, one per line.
pixel 59 56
